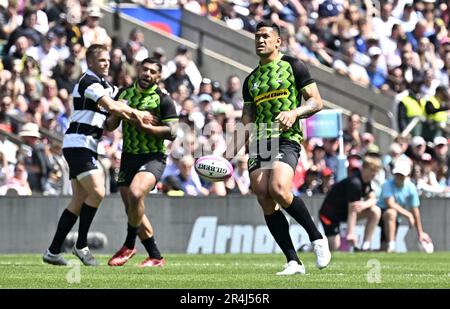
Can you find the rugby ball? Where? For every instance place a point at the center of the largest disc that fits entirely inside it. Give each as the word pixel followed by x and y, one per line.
pixel 427 247
pixel 213 168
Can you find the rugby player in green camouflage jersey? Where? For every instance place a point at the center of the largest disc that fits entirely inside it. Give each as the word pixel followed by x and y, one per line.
pixel 143 158
pixel 272 104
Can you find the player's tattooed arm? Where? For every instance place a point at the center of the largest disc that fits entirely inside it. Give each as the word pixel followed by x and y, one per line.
pixel 248 113
pixel 313 102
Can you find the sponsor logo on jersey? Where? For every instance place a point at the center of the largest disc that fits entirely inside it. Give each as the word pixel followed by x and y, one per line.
pixel 275 94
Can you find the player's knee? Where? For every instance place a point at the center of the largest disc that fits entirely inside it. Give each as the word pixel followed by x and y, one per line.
pixel 375 211
pixel 390 214
pixel 279 193
pixel 97 195
pixel 135 196
pixel 260 191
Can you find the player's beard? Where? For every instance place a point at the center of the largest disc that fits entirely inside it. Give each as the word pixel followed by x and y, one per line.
pixel 143 85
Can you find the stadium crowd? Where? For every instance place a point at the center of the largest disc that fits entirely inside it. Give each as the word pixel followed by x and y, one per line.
pixel 401 47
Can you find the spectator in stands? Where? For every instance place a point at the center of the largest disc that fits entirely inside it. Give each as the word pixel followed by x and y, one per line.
pixel 17 184
pixel 382 25
pixel 318 157
pixel 399 196
pixel 395 153
pixel 430 83
pixel 415 35
pixel 160 55
pixel 34 156
pixel 60 42
pixel 4 168
pixel 179 77
pixel 346 66
pixel 352 132
pixel 396 81
pixel 45 54
pixel 417 148
pixel 442 154
pixel 428 184
pixel 232 94
pixel 41 16
pixel 66 74
pixel 92 32
pixel 241 178
pixel 376 75
pixel 409 108
pixel 311 184
pixel 256 15
pixel 285 12
pixel 188 178
pixel 331 146
pixel 326 181
pixel 9 18
pixel 18 52
pixel 137 38
pixel 71 21
pixel 27 29
pixel 410 66
pixel 407 16
pixel 191 68
pixel 63 118
pixel 436 109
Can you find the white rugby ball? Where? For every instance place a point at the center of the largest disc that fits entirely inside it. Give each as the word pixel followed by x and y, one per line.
pixel 213 168
pixel 427 247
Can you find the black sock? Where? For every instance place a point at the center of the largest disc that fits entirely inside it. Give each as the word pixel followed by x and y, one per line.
pixel 86 216
pixel 130 241
pixel 300 213
pixel 279 227
pixel 152 248
pixel 65 224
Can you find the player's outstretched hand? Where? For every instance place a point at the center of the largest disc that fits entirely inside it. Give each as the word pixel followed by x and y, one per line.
pixel 424 237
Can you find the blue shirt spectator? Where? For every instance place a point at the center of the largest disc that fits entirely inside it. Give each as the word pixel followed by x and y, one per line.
pixel 406 196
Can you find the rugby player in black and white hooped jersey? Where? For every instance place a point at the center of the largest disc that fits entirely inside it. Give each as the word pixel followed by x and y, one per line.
pixel 92 103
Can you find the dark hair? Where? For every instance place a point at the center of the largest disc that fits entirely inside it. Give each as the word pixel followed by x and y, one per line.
pixel 151 60
pixel 442 90
pixel 263 24
pixel 94 49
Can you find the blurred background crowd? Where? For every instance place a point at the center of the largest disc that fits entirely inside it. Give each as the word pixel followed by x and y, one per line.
pixel 400 47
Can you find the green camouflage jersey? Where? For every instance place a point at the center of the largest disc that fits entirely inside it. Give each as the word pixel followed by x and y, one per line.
pixel 154 101
pixel 273 88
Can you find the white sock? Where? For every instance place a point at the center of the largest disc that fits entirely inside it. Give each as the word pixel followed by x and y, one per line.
pixel 391 245
pixel 366 245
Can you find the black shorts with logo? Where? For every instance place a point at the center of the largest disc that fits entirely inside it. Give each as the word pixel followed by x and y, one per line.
pixel 80 160
pixel 330 227
pixel 263 155
pixel 131 164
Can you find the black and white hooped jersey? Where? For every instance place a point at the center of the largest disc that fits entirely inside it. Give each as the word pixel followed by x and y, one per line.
pixel 88 118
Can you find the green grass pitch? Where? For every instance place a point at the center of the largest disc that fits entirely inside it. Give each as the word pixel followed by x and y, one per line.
pixel 357 270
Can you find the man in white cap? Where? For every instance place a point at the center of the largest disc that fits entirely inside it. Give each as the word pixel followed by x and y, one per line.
pixel 399 196
pixel 92 32
pixel 33 156
pixel 442 154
